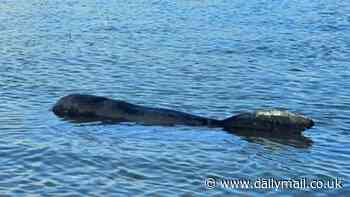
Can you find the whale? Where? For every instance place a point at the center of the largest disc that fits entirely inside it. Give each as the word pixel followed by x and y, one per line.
pixel 99 108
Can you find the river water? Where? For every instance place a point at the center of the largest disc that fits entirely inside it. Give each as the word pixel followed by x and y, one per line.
pixel 210 58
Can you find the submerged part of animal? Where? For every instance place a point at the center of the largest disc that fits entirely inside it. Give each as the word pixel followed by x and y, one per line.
pixel 96 108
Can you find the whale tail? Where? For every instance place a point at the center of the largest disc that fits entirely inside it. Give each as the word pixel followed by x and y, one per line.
pixel 274 121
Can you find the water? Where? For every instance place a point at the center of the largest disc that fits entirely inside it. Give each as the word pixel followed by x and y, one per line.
pixel 210 58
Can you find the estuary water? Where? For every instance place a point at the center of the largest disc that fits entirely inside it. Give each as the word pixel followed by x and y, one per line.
pixel 210 58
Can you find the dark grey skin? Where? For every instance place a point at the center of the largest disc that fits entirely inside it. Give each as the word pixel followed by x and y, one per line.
pixel 96 108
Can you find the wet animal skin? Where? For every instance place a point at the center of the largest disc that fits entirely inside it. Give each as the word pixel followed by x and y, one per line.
pixel 97 108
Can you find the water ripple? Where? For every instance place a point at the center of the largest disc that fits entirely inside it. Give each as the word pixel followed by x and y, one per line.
pixel 208 58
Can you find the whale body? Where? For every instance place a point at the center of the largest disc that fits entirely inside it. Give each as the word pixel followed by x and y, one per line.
pixel 78 106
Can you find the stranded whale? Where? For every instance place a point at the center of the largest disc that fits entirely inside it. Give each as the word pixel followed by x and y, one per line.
pixel 97 108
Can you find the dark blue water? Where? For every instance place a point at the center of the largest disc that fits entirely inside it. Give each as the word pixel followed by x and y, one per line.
pixel 210 58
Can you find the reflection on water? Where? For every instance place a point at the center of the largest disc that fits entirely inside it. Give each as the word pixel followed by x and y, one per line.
pixel 210 58
pixel 267 138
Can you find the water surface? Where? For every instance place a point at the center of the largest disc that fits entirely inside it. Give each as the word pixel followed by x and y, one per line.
pixel 210 58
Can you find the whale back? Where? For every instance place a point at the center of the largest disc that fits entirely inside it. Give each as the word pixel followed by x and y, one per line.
pixel 276 121
pixel 94 108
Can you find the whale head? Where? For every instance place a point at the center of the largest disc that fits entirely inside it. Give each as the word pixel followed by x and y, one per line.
pixel 275 121
pixel 75 105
